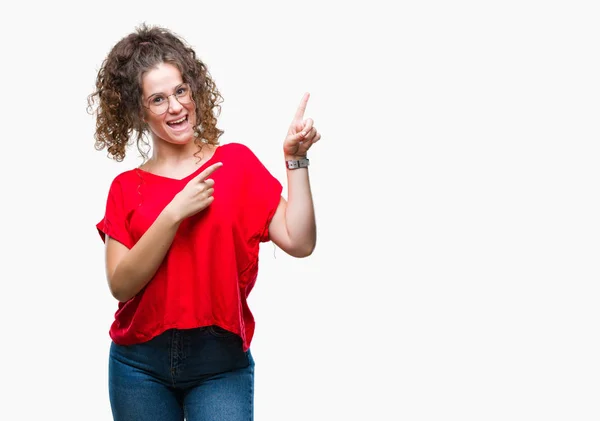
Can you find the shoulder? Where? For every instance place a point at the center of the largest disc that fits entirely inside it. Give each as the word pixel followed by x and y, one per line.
pixel 236 149
pixel 126 176
pixel 125 180
pixel 240 154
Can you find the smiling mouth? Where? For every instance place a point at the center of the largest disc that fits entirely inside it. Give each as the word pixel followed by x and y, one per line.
pixel 178 123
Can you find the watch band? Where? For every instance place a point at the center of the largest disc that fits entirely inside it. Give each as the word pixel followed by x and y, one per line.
pixel 297 163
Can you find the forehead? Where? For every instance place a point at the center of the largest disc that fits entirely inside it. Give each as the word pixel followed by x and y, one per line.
pixel 162 78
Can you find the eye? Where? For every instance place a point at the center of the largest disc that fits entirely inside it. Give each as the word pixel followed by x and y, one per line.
pixel 157 100
pixel 182 90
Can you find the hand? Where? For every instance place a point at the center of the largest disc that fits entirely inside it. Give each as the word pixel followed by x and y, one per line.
pixel 301 134
pixel 196 196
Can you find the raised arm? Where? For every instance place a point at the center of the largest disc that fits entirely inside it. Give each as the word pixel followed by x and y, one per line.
pixel 293 227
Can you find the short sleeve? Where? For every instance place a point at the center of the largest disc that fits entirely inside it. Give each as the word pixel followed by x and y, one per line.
pixel 114 224
pixel 262 196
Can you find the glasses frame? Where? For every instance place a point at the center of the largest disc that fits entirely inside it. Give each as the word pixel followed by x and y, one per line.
pixel 174 95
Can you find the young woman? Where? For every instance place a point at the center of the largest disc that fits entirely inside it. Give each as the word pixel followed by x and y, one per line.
pixel 182 233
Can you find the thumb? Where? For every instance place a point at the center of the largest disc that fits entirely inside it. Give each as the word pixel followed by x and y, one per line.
pixel 295 138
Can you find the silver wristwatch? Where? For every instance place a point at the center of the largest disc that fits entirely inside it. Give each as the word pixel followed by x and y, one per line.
pixel 297 163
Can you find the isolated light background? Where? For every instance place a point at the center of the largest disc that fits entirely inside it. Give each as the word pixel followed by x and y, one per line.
pixel 455 185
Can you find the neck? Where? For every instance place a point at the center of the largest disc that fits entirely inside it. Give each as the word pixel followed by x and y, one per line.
pixel 164 152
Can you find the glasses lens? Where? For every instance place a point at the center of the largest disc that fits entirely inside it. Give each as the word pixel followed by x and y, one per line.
pixel 160 104
pixel 184 94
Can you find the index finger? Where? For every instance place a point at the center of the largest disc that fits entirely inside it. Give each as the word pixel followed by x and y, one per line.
pixel 302 107
pixel 208 171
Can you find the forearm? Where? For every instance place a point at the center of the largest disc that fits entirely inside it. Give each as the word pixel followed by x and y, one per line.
pixel 300 214
pixel 294 227
pixel 142 261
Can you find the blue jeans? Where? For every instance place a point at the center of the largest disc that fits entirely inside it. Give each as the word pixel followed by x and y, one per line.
pixel 197 374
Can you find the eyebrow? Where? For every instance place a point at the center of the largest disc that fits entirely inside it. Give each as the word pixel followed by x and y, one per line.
pixel 162 93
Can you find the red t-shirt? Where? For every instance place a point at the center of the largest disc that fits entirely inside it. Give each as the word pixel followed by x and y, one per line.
pixel 212 264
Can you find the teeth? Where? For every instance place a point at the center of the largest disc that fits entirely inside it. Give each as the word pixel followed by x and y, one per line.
pixel 177 121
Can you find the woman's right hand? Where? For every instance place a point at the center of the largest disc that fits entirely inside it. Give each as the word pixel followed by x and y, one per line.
pixel 196 196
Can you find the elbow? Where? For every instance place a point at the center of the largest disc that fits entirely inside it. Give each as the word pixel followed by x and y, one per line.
pixel 119 295
pixel 304 251
pixel 122 298
pixel 118 292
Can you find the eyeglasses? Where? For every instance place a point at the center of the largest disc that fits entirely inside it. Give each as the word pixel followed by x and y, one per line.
pixel 159 103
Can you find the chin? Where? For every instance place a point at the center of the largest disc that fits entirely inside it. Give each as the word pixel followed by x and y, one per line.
pixel 180 140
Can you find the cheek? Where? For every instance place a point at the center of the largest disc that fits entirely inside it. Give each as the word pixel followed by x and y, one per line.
pixel 153 121
pixel 191 109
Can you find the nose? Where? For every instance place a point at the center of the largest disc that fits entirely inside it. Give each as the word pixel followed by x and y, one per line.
pixel 174 105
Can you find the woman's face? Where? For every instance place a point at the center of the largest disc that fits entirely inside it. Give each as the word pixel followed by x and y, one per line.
pixel 168 106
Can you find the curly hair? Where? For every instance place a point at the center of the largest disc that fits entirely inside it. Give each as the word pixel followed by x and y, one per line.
pixel 118 94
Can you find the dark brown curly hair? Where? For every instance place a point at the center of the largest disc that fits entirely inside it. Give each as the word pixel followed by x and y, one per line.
pixel 118 94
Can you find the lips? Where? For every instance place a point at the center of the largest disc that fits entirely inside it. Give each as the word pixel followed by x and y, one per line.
pixel 179 125
pixel 177 122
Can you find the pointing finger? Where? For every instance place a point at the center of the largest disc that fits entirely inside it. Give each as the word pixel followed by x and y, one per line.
pixel 208 171
pixel 302 107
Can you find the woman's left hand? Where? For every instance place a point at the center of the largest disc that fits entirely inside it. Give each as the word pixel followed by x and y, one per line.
pixel 301 135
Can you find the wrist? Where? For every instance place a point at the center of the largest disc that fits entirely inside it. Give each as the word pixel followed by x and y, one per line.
pixel 294 164
pixel 171 215
pixel 294 157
